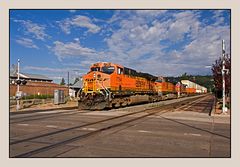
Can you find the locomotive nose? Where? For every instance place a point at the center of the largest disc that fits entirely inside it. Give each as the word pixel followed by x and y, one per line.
pixel 97 75
pixel 96 82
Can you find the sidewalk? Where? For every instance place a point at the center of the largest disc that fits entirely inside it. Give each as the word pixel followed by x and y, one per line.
pixel 218 112
pixel 46 107
pixel 219 116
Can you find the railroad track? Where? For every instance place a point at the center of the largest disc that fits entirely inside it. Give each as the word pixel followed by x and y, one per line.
pixel 118 122
pixel 203 106
pixel 44 116
pixel 25 118
pixel 194 103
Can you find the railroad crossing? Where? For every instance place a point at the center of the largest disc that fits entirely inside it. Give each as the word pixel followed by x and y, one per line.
pixel 185 127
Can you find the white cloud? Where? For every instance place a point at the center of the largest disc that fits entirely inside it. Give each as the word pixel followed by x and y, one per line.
pixel 71 49
pixel 115 17
pixel 207 45
pixel 140 42
pixel 38 31
pixel 218 16
pixel 158 42
pixel 47 69
pixel 57 77
pixel 26 42
pixel 56 73
pixel 202 51
pixel 78 21
pixel 218 13
pixel 150 13
pixel 183 23
pixel 138 38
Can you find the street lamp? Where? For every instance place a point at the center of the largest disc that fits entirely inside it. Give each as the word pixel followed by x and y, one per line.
pixel 68 83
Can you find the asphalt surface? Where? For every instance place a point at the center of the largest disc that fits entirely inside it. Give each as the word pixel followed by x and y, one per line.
pixel 186 130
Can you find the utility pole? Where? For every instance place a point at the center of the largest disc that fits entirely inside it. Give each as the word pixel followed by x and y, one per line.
pixel 18 77
pixel 68 83
pixel 224 110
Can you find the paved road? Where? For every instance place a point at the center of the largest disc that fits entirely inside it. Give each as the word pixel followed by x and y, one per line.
pixel 183 131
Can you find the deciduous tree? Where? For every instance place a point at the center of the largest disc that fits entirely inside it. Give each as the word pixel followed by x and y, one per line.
pixel 217 74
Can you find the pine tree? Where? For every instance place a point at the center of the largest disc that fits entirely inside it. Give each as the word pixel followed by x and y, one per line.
pixel 62 82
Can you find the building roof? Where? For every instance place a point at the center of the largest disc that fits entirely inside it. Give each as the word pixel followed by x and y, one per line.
pixel 30 76
pixel 78 84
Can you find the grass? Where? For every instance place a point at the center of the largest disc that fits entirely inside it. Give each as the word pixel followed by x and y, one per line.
pixel 37 97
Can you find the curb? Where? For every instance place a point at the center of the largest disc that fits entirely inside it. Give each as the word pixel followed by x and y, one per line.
pixel 41 110
pixel 221 115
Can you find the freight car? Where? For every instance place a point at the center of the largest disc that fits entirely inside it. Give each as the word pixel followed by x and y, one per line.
pixel 109 85
pixel 193 88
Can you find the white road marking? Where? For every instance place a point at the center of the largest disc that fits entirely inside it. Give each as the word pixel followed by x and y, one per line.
pixel 192 134
pixel 144 131
pixel 89 129
pixel 51 126
pixel 23 124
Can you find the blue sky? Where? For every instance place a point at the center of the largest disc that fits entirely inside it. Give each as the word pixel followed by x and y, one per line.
pixel 160 42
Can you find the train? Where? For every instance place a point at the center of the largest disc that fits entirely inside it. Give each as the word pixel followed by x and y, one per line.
pixel 110 85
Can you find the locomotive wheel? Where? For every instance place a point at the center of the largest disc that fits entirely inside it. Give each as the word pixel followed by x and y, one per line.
pixel 117 105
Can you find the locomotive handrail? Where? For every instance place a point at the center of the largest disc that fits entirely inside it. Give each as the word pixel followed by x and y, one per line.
pixel 105 89
pixel 85 86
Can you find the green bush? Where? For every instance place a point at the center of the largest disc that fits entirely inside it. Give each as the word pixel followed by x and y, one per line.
pixel 227 105
pixel 38 97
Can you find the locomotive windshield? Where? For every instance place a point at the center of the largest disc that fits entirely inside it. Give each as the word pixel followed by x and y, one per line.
pixel 108 69
pixel 95 69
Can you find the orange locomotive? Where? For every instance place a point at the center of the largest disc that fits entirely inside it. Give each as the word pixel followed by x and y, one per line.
pixel 109 85
pixel 165 89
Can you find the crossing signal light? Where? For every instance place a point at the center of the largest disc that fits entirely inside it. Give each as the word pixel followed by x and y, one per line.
pixel 19 82
pixel 24 82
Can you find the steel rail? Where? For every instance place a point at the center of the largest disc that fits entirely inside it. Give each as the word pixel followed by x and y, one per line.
pixel 43 116
pixel 36 151
pixel 92 123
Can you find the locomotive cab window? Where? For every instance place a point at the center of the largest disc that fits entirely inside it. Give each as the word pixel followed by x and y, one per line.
pixel 108 70
pixel 119 70
pixel 95 69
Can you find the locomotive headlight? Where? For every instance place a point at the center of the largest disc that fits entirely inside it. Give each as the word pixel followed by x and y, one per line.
pixel 94 75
